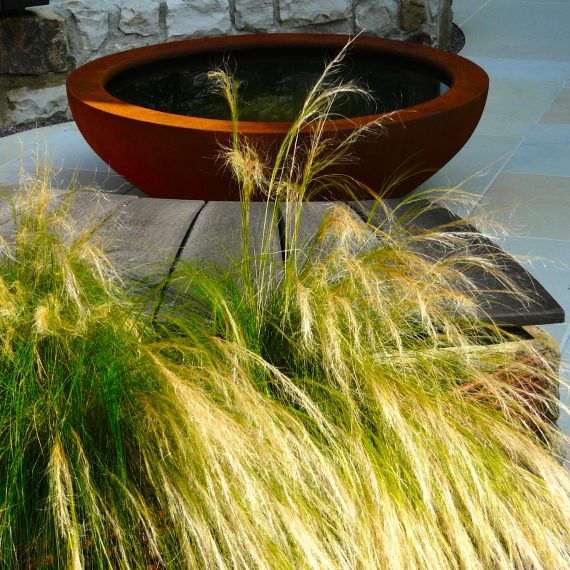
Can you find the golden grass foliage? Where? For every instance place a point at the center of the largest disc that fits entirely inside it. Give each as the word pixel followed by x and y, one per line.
pixel 347 411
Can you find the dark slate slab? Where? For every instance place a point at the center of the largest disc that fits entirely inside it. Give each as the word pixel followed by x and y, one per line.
pixel 90 210
pixel 376 213
pixel 216 239
pixel 141 236
pixel 312 216
pixel 146 238
pixel 86 210
pixel 535 307
pixel 7 211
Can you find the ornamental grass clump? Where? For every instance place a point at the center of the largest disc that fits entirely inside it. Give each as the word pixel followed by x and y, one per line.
pixel 340 407
pixel 127 446
pixel 452 463
pixel 72 378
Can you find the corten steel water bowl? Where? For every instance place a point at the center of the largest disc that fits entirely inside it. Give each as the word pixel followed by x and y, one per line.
pixel 174 156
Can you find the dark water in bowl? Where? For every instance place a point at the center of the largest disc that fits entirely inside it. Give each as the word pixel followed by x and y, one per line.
pixel 273 84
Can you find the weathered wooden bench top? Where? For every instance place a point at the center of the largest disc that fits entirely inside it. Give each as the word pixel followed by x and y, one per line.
pixel 150 235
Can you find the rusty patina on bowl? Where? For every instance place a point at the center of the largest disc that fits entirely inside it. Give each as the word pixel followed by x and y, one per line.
pixel 175 156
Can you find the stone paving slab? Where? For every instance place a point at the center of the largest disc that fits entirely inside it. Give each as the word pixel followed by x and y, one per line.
pixel 472 171
pixel 531 205
pixel 519 30
pixel 559 112
pixel 525 69
pixel 514 106
pixel 466 9
pixel 546 150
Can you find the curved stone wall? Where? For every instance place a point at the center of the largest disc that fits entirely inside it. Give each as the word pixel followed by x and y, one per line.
pixel 38 49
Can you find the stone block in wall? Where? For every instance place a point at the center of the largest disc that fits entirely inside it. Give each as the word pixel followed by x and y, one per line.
pixel 33 102
pixel 377 17
pixel 197 18
pixel 334 27
pixel 299 13
pixel 34 43
pixel 254 15
pixel 139 17
pixel 413 14
pixel 119 43
pixel 87 25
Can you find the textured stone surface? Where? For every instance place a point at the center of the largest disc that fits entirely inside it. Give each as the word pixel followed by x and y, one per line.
pixel 87 25
pixel 139 17
pixel 413 14
pixel 334 27
pixel 34 43
pixel 377 17
pixel 197 18
pixel 93 25
pixel 306 12
pixel 27 104
pixel 254 15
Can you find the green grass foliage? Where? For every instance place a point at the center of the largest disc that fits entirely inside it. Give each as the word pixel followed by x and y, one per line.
pixel 346 409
